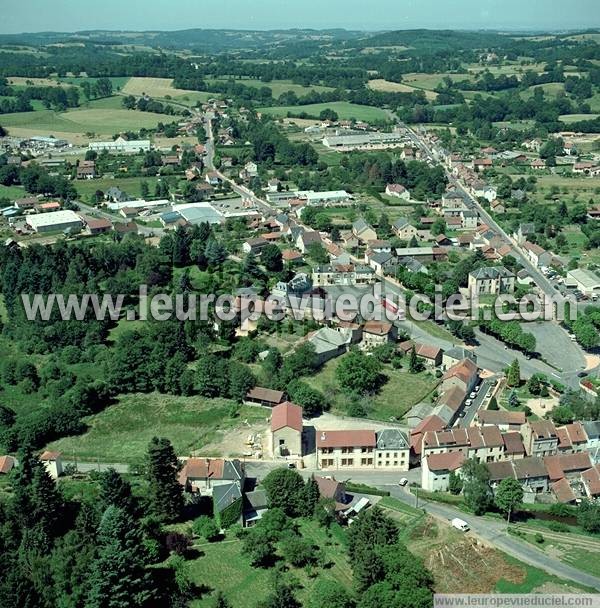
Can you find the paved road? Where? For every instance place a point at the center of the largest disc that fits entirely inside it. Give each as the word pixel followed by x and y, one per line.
pixel 574 360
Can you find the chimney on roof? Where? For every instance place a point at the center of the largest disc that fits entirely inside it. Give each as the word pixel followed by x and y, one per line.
pixel 323 436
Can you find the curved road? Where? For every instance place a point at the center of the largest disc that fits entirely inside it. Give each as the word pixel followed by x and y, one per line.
pixel 495 533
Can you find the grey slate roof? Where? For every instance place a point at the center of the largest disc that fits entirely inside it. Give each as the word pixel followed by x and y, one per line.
pixel 225 495
pixel 492 272
pixel 391 439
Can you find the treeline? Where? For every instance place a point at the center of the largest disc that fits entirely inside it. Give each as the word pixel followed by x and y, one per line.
pixel 144 104
pixel 375 170
pixel 478 117
pixel 36 180
pixel 97 549
pixel 19 100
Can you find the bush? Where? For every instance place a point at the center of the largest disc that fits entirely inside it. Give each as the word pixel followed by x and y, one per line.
pixel 177 543
pixel 362 488
pixel 207 528
pixel 539 538
pixel 557 526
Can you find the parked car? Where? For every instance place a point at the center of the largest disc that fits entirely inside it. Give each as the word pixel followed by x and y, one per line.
pixel 468 402
pixel 403 482
pixel 473 395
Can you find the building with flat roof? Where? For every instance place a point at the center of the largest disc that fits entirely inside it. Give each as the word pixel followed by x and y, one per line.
pixel 586 281
pixel 364 141
pixel 121 145
pixel 54 221
pixel 199 213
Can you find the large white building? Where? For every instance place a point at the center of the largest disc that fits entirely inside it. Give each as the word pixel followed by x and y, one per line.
pixel 121 145
pixel 54 221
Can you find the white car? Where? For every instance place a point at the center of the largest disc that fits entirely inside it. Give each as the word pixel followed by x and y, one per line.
pixel 473 395
pixel 468 402
pixel 403 482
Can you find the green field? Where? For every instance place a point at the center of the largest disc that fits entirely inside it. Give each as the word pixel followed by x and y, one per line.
pixel 101 120
pixel 277 86
pixel 118 82
pixel 568 118
pixel 345 110
pixel 12 192
pixel 121 432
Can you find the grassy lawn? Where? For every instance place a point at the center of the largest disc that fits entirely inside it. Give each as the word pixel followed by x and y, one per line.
pixel 121 432
pixel 437 331
pixel 12 192
pixel 345 110
pixel 575 549
pixel 223 566
pixel 396 397
pixel 568 118
pixel 132 185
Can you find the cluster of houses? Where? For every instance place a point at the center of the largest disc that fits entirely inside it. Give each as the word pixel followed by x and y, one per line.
pixel 542 457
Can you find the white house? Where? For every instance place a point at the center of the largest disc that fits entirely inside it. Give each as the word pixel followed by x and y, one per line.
pixel 436 469
pixel 398 191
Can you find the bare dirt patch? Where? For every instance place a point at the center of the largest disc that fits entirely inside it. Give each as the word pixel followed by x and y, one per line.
pixel 540 407
pixel 460 563
pixel 236 443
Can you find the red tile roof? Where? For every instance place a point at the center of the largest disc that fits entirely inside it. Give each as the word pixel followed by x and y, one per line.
pixel 501 417
pixel 445 462
pixel 591 479
pixel 513 443
pixel 465 370
pixel 286 415
pixel 340 439
pixel 49 456
pixel 6 464
pixel 378 328
pixel 562 490
pixel 562 464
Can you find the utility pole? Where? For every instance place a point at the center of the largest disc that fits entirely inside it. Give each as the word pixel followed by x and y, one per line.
pixel 508 519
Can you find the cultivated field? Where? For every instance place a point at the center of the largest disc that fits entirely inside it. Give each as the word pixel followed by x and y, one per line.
pixel 397 87
pixel 154 87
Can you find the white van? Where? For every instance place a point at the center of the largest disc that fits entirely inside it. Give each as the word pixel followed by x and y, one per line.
pixel 459 524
